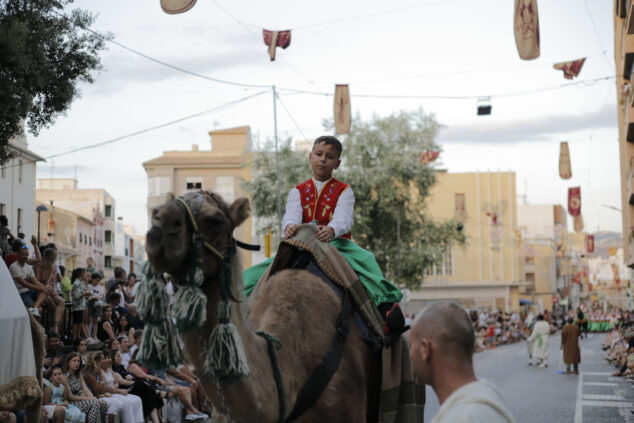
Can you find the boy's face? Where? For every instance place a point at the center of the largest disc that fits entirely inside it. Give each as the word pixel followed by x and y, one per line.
pixel 324 159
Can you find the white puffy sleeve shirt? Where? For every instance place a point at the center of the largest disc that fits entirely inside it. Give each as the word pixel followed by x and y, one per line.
pixel 341 219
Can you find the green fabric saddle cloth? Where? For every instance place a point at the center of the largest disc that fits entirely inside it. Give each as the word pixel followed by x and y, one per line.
pixel 360 260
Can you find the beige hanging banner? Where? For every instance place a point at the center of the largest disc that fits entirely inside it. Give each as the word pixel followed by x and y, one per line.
pixel 174 7
pixel 578 223
pixel 565 171
pixel 460 205
pixel 526 28
pixel 342 109
pixel 571 69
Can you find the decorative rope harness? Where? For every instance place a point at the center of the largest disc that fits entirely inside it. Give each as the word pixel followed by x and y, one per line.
pixel 225 358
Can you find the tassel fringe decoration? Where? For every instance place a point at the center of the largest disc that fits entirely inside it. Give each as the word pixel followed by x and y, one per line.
pixel 190 308
pixel 226 359
pixel 160 348
pixel 152 300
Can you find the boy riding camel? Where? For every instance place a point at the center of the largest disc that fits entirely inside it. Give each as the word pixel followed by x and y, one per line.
pixel 330 203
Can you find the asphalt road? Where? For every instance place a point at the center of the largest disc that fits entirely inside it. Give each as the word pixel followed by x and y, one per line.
pixel 542 395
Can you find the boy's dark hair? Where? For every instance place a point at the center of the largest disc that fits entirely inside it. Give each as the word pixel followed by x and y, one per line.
pixel 21 235
pixel 62 270
pixel 53 335
pixel 4 221
pixel 330 140
pixel 16 244
pixel 96 275
pixel 131 274
pixel 114 297
pixel 77 273
pixel 138 334
pixel 119 273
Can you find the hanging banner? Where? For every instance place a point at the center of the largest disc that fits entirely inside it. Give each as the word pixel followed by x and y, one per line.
pixel 275 39
pixel 526 28
pixel 342 109
pixel 578 223
pixel 574 201
pixel 617 274
pixel 590 244
pixel 571 69
pixel 428 156
pixel 577 278
pixel 174 7
pixel 460 206
pixel 565 171
pixel 611 251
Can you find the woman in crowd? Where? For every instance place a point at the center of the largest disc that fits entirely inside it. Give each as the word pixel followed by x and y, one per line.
pixel 96 411
pixel 47 274
pixel 80 348
pixel 182 393
pixel 79 294
pixel 152 401
pixel 95 382
pixel 130 401
pixel 125 328
pixel 106 328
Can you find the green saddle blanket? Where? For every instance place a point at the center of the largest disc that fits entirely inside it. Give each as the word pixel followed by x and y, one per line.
pixel 360 260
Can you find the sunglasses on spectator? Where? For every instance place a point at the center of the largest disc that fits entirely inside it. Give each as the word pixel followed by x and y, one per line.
pixel 24 247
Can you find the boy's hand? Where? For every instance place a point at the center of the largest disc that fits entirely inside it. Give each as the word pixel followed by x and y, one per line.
pixel 291 230
pixel 325 233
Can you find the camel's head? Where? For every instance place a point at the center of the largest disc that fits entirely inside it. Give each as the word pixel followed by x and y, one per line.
pixel 169 243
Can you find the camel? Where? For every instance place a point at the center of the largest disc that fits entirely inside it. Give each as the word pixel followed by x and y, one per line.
pixel 294 306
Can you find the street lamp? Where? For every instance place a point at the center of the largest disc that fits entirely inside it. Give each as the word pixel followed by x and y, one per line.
pixel 41 208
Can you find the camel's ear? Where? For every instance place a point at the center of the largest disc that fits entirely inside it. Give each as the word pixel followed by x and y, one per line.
pixel 239 211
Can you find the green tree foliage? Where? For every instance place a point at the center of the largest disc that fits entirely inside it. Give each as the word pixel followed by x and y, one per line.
pixel 381 163
pixel 44 53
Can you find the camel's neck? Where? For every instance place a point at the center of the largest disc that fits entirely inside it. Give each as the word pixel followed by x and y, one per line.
pixel 246 396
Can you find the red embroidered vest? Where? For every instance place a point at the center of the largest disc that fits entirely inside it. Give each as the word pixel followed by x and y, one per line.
pixel 320 206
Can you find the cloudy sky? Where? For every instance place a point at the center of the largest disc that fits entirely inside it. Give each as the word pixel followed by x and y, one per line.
pixel 386 51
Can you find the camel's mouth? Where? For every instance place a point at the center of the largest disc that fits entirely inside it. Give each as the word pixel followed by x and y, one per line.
pixel 168 240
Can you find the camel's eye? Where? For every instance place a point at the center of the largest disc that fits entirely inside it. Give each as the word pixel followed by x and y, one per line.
pixel 214 219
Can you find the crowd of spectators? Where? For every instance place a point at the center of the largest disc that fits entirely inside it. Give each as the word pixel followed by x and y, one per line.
pixel 619 345
pixel 494 328
pixel 100 378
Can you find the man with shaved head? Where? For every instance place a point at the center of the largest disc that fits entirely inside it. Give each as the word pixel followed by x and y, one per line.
pixel 441 350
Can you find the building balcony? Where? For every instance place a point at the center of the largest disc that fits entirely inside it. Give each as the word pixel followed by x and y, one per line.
pixel 620 8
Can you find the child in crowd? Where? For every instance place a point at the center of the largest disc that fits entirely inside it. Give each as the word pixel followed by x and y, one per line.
pixel 95 301
pixel 66 285
pixel 330 203
pixel 79 294
pixel 5 235
pixel 56 396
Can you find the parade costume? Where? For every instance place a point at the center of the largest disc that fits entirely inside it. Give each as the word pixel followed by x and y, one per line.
pixel 331 203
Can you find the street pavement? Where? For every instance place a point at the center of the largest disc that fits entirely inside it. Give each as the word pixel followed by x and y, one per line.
pixel 542 395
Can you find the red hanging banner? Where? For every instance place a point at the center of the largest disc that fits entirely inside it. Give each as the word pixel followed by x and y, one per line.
pixel 571 69
pixel 342 109
pixel 574 201
pixel 590 244
pixel 275 39
pixel 565 171
pixel 428 156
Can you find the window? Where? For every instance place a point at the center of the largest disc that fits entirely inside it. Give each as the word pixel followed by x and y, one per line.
pixel 2 208
pixel 127 253
pixel 19 220
pixel 20 171
pixel 193 183
pixel 224 187
pixel 158 185
pixel 108 211
pixel 80 237
pixel 108 236
pixel 90 241
pixel 108 261
pixel 3 172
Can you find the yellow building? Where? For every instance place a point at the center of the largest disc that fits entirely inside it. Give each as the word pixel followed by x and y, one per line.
pixel 485 272
pixel 544 251
pixel 220 169
pixel 624 60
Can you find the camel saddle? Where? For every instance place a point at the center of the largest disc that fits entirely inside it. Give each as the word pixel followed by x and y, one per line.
pixel 402 400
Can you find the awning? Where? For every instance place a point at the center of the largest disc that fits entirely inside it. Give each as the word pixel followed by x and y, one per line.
pixel 526 302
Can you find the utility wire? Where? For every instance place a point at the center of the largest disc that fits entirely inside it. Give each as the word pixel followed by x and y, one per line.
pixel 459 97
pixel 143 131
pixel 596 32
pixel 291 117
